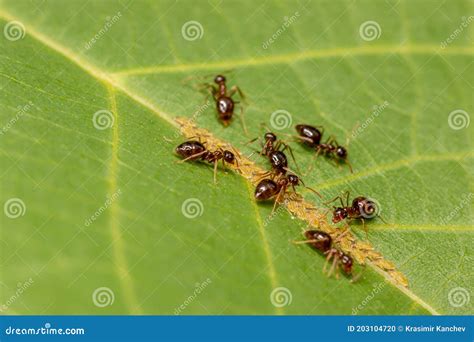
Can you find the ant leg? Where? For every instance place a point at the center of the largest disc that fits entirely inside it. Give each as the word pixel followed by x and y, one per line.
pixel 215 171
pixel 301 242
pixel 292 155
pixel 347 197
pixel 349 164
pixel 277 199
pixel 235 89
pixel 312 163
pixel 358 276
pixel 191 157
pixel 383 220
pixel 340 236
pixel 311 189
pixel 334 199
pixel 251 141
pixel 365 228
pixel 242 120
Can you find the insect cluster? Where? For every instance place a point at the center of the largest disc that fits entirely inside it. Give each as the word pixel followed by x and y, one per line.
pixel 280 181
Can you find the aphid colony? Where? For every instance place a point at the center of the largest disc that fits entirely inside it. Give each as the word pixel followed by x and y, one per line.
pixel 280 181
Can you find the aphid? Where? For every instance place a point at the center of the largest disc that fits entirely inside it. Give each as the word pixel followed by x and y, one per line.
pixel 268 188
pixel 361 208
pixel 224 103
pixel 195 150
pixel 311 136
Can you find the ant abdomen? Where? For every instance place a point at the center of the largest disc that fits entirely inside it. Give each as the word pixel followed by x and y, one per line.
pixel 311 135
pixel 319 240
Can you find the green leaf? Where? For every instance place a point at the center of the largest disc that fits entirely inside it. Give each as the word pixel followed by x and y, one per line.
pixel 126 62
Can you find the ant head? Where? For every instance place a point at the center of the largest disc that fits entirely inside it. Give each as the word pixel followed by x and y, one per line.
pixel 341 152
pixel 339 214
pixel 293 179
pixel 346 263
pixel 229 157
pixel 269 136
pixel 219 79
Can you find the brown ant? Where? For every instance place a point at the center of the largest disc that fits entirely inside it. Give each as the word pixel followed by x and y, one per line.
pixel 224 102
pixel 194 150
pixel 268 188
pixel 322 242
pixel 311 136
pixel 361 208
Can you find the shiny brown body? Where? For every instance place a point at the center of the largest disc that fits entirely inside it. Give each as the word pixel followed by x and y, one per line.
pixel 225 105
